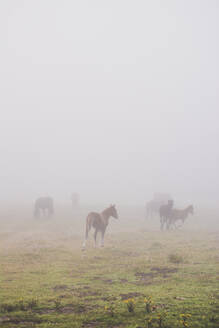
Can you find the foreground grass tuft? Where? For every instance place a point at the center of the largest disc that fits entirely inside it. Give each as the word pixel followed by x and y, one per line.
pixel 175 258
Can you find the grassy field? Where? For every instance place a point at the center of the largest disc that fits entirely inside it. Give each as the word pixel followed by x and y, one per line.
pixel 141 278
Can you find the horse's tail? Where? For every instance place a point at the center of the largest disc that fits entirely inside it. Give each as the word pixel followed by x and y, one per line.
pixel 88 226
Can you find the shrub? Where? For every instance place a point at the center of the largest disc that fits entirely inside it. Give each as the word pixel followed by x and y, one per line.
pixel 175 258
pixel 130 302
pixel 57 304
pixel 32 303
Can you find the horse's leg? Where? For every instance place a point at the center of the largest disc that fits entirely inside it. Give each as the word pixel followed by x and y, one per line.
pixel 180 225
pixel 165 223
pixel 95 237
pixel 174 224
pixel 102 237
pixel 168 223
pixel 88 227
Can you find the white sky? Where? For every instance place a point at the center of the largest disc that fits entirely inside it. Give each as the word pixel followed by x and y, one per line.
pixel 113 99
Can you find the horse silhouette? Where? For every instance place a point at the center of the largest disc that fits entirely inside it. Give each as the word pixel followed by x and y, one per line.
pixel 43 206
pixel 99 221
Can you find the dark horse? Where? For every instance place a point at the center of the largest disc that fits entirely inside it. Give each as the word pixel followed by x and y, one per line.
pixel 165 212
pixel 99 221
pixel 43 205
pixel 179 215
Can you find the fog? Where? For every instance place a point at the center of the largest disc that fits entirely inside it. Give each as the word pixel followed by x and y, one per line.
pixel 115 100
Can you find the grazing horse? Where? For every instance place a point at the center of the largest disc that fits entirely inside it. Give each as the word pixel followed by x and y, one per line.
pixel 43 205
pixel 165 212
pixel 152 208
pixel 179 215
pixel 99 221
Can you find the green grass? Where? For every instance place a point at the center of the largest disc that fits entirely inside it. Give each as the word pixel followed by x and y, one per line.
pixel 52 283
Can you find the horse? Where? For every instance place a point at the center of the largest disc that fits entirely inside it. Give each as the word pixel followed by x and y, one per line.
pixel 43 205
pixel 152 208
pixel 179 215
pixel 99 221
pixel 165 212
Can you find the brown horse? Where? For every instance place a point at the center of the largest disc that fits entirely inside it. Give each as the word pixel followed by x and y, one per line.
pixel 179 215
pixel 99 221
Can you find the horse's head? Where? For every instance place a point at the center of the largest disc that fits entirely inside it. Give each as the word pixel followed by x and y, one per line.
pixel 113 212
pixel 191 209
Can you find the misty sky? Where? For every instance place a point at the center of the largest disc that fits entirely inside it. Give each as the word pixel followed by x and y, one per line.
pixel 113 99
